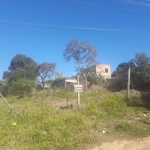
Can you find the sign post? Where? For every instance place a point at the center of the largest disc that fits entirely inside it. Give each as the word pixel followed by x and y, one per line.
pixel 78 89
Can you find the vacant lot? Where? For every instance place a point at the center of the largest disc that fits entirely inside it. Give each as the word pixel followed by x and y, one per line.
pixel 44 122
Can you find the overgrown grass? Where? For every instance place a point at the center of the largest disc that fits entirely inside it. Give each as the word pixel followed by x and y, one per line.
pixel 41 126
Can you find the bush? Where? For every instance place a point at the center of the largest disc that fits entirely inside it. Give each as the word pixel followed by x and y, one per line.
pixel 21 87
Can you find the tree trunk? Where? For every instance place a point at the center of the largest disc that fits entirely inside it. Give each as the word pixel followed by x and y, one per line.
pixel 85 83
pixel 43 84
pixel 81 69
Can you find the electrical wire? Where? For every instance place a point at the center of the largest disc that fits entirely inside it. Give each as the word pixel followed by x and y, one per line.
pixel 67 27
pixel 80 2
pixel 134 2
pixel 92 10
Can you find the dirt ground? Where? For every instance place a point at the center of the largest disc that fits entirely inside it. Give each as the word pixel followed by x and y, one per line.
pixel 140 144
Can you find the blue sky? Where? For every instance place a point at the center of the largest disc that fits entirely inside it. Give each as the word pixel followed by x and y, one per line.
pixel 41 29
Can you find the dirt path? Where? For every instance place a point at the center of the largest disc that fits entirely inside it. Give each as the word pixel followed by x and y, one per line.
pixel 142 144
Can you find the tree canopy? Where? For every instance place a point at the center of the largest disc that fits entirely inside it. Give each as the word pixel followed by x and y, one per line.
pixel 46 71
pixel 81 52
pixel 21 75
pixel 21 66
pixel 142 70
pixel 125 65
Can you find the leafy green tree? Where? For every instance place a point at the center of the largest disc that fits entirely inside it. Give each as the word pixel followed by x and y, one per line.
pixel 1 86
pixel 125 65
pixel 21 66
pixel 46 71
pixel 142 70
pixel 6 75
pixel 114 74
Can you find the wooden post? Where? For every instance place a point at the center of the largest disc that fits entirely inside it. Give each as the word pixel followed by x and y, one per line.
pixel 78 100
pixel 128 86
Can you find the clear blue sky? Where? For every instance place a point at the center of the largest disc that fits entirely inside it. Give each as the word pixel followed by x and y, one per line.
pixel 36 28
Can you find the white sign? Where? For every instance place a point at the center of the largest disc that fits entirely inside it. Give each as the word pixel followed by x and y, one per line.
pixel 78 88
pixel 78 91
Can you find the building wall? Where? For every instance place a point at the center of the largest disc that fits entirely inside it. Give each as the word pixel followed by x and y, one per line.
pixel 64 82
pixel 103 70
pixel 99 70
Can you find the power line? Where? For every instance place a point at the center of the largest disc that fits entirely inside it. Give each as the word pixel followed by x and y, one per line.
pixel 92 10
pixel 67 27
pixel 97 4
pixel 134 2
pixel 81 2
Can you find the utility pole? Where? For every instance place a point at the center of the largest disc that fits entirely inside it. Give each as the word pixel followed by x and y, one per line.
pixel 128 86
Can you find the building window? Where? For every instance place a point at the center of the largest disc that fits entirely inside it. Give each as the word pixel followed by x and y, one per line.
pixel 106 70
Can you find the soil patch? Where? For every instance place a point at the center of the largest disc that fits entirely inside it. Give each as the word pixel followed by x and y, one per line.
pixel 140 144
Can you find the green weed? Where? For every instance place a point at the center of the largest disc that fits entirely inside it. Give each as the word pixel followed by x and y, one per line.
pixel 41 126
pixel 124 126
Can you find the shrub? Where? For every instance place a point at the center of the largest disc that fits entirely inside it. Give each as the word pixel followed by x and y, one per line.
pixel 21 87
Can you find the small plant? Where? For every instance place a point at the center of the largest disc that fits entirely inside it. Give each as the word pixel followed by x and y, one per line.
pixel 124 126
pixel 91 109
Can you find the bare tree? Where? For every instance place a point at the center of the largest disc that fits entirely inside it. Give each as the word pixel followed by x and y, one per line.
pixel 46 71
pixel 82 52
